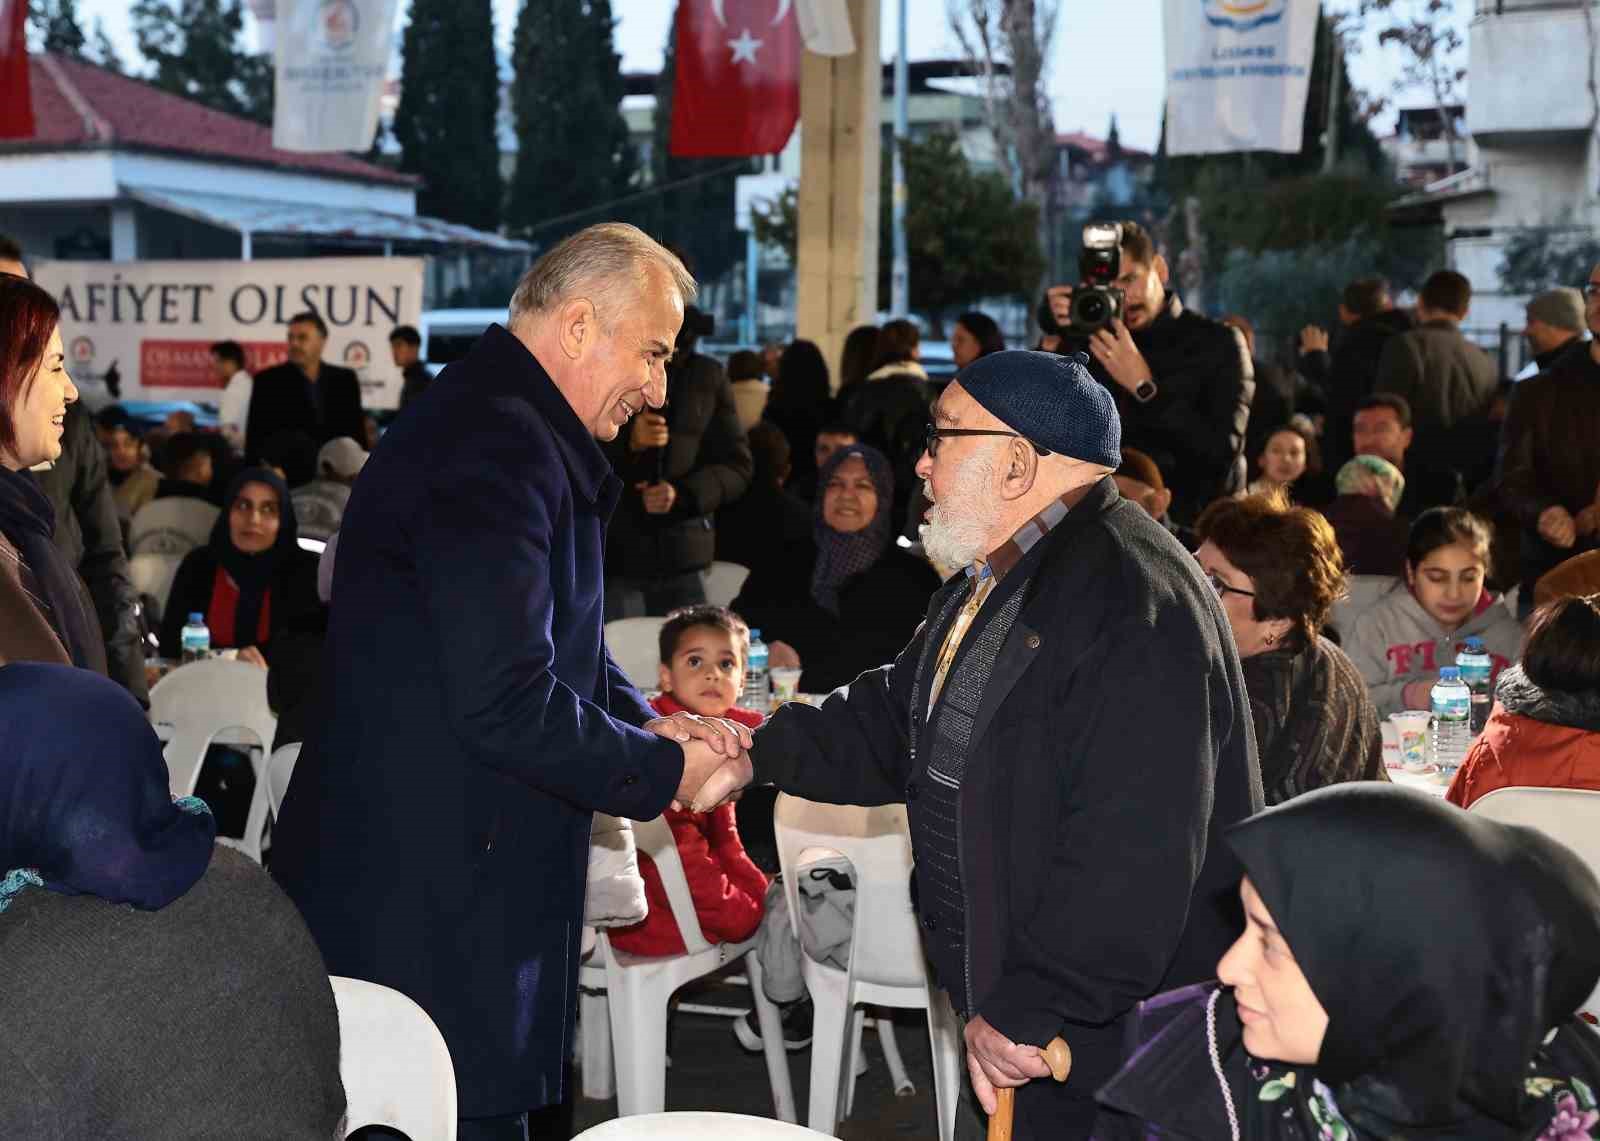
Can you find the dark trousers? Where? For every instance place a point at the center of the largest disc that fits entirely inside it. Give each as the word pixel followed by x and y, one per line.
pixel 652 597
pixel 493 1128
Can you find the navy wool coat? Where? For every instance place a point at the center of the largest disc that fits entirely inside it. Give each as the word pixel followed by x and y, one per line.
pixel 435 835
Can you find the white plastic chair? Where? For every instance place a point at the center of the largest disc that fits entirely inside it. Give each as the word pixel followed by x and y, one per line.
pixel 195 704
pixel 152 575
pixel 723 582
pixel 172 526
pixel 1364 591
pixel 695 1126
pixel 635 644
pixel 1569 816
pixel 638 990
pixel 280 770
pixel 394 1062
pixel 887 966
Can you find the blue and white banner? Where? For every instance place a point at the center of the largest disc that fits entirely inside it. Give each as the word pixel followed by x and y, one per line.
pixel 1237 74
pixel 332 56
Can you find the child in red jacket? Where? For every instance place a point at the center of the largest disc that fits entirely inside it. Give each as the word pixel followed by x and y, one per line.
pixel 702 669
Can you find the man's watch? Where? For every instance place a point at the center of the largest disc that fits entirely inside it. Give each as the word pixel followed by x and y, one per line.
pixel 1145 391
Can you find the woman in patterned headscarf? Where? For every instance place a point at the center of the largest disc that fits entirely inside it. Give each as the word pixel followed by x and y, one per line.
pixel 856 602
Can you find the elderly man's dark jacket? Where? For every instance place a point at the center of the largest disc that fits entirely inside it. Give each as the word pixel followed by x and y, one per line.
pixel 1112 745
pixel 707 460
pixel 1195 425
pixel 89 537
pixel 436 833
pixel 284 399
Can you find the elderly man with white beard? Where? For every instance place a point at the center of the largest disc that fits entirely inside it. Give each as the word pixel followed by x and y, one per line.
pixel 1068 730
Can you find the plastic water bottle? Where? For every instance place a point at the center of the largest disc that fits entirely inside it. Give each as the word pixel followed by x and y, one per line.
pixel 1452 720
pixel 1476 666
pixel 757 692
pixel 196 639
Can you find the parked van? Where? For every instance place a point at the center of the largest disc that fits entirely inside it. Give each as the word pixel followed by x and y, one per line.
pixel 448 334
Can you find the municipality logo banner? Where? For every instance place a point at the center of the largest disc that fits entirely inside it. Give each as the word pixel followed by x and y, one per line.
pixel 1238 72
pixel 332 56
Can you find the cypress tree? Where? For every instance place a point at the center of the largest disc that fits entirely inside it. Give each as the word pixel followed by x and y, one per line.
pixel 57 22
pixel 573 147
pixel 449 100
pixel 198 52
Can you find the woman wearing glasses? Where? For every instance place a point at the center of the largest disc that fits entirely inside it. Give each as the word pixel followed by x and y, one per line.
pixel 1277 571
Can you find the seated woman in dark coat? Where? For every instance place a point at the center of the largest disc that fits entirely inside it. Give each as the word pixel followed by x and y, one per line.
pixel 158 987
pixel 1407 970
pixel 252 582
pixel 851 600
pixel 1277 571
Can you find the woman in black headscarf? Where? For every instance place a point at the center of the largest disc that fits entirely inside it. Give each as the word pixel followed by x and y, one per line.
pixel 45 611
pixel 1407 970
pixel 158 987
pixel 854 604
pixel 252 582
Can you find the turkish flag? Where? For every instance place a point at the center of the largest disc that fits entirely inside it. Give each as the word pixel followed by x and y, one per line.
pixel 16 101
pixel 738 85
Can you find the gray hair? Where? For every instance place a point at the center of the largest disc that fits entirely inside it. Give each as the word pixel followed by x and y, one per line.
pixel 605 263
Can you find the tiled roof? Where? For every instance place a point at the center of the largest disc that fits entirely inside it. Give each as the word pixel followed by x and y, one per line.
pixel 1096 148
pixel 78 104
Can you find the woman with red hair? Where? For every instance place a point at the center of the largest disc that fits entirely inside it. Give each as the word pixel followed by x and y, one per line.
pixel 45 613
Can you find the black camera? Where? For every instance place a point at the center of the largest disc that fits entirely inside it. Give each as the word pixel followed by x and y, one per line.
pixel 1096 301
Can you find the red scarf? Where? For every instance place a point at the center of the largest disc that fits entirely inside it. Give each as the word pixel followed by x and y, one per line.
pixel 223 609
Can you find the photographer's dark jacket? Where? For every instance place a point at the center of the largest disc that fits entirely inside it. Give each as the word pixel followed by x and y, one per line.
pixel 1194 427
pixel 1108 740
pixel 707 461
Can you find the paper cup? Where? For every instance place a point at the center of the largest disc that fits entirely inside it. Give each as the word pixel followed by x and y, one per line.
pixel 1411 732
pixel 785 684
pixel 1391 744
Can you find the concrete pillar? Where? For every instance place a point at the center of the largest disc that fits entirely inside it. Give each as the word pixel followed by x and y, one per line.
pixel 124 232
pixel 840 155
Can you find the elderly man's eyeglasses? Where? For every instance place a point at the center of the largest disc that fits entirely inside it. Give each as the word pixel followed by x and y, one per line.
pixel 1223 589
pixel 934 434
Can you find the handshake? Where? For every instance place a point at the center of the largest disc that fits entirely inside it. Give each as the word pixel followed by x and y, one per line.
pixel 716 760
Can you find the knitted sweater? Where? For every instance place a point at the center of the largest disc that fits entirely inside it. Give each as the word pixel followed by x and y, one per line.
pixel 1398 642
pixel 210 1018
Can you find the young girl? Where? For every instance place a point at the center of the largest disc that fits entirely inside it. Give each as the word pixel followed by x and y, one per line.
pixel 702 668
pixel 1285 458
pixel 1419 626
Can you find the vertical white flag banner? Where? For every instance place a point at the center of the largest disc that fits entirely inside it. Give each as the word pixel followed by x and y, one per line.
pixel 1237 74
pixel 332 56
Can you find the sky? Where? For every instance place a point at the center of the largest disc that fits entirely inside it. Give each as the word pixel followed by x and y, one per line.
pixel 1088 81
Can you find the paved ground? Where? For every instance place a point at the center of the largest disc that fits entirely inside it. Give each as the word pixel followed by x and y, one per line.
pixel 710 1071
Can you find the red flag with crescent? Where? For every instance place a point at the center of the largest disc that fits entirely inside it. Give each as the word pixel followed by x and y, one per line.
pixel 737 90
pixel 16 101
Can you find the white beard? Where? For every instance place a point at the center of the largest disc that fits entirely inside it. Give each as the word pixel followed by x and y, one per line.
pixel 958 528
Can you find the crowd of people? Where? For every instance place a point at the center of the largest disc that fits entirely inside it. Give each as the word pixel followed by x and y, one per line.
pixel 1082 608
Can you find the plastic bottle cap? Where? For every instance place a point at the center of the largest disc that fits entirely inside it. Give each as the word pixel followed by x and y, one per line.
pixel 1450 673
pixel 1475 644
pixel 755 635
pixel 197 618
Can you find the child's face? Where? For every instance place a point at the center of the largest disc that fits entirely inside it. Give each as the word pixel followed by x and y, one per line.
pixel 706 671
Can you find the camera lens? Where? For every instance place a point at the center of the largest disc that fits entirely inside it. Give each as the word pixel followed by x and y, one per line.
pixel 1092 309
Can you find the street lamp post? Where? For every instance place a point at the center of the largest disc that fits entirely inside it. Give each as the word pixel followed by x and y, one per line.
pixel 900 274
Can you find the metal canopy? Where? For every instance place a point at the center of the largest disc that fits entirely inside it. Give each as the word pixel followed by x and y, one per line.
pixel 260 217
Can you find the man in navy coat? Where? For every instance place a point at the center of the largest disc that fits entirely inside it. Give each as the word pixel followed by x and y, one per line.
pixel 435 836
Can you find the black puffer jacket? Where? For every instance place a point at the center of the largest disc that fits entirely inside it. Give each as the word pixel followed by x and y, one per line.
pixel 707 461
pixel 1194 426
pixel 890 411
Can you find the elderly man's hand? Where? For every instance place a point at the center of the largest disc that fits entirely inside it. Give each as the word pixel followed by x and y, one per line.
pixel 993 1060
pixel 658 497
pixel 726 738
pixel 709 778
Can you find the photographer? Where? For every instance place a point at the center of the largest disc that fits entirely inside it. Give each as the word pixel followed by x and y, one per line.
pixel 678 464
pixel 1182 383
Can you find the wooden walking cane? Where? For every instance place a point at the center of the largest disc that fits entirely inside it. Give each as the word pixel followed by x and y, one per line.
pixel 1059 1058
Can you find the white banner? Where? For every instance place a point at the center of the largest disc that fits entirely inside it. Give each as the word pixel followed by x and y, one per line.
pixel 332 58
pixel 157 320
pixel 1237 74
